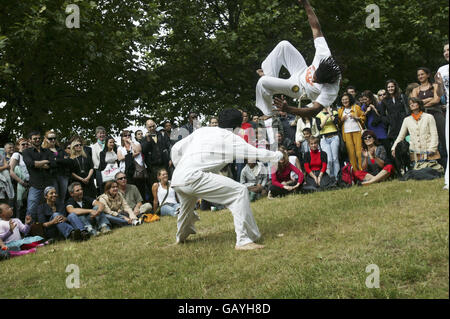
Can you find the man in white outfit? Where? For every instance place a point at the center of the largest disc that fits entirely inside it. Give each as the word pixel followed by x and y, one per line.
pixel 319 82
pixel 442 78
pixel 198 158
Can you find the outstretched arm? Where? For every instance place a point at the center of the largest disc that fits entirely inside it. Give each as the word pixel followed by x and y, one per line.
pixel 283 106
pixel 312 19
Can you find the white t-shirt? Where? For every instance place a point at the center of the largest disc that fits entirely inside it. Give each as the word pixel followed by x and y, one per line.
pixel 170 199
pixel 443 70
pixel 324 94
pixel 139 159
pixel 350 125
pixel 23 167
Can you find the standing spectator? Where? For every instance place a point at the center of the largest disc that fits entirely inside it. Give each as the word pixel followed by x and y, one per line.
pixel 316 167
pixel 375 165
pixel 18 171
pixel 167 135
pixel 9 151
pixel 282 182
pixel 303 123
pixel 351 90
pixel 139 136
pixel 423 136
pixel 61 180
pixel 156 153
pixel 54 222
pixel 82 168
pixel 6 185
pixel 374 112
pixel 289 124
pixel 96 148
pixel 442 78
pixel 116 208
pixel 88 210
pixel 129 192
pixel 109 160
pixel 381 95
pixel 38 161
pixel 189 127
pixel 428 93
pixel 214 121
pixel 329 143
pixel 351 119
pixel 131 161
pixel 164 195
pixel 395 109
pixel 255 177
pixel 409 88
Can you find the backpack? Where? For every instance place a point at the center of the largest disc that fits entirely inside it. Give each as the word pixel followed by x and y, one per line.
pixel 347 177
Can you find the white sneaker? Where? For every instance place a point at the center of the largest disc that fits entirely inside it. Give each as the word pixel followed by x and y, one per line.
pixel 249 246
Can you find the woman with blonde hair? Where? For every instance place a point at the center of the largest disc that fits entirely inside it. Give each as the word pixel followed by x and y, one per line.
pixel 82 168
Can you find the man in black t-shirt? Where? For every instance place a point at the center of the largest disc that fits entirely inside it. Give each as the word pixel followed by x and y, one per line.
pixel 89 210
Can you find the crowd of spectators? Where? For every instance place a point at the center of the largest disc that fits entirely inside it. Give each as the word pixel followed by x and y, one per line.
pixel 51 189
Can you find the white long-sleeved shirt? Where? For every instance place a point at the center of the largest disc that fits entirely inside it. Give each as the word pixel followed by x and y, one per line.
pixel 209 149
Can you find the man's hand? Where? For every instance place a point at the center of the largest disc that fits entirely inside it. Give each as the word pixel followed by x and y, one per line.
pixel 28 219
pixel 281 104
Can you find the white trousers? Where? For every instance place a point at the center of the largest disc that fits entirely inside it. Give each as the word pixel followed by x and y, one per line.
pixel 221 190
pixel 446 142
pixel 284 54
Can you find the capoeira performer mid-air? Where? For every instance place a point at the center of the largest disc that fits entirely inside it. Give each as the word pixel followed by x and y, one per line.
pixel 198 158
pixel 319 82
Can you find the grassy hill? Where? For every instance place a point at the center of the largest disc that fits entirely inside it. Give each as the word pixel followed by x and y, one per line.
pixel 317 246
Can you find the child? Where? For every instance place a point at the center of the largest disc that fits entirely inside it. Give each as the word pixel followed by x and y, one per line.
pixel 11 228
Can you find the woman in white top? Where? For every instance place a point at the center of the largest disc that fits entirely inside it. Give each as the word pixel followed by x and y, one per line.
pixel 128 146
pixel 19 172
pixel 165 195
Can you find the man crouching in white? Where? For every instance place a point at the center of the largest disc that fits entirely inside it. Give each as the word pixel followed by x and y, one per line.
pixel 197 160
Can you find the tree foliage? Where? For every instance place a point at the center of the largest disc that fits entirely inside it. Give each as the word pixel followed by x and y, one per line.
pixel 167 57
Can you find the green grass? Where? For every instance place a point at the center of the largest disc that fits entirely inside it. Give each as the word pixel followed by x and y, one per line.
pixel 317 246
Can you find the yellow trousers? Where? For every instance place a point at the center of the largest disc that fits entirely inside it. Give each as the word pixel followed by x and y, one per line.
pixel 353 143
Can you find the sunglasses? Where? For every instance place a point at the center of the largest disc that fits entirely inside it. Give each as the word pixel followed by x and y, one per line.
pixel 76 145
pixel 382 94
pixel 126 135
pixel 24 144
pixel 368 137
pixel 121 178
pixel 51 138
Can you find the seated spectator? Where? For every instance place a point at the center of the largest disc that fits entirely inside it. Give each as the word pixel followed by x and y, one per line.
pixel 116 208
pixel 164 196
pixel 423 143
pixel 88 210
pixel 54 223
pixel 4 253
pixel 316 167
pixel 18 171
pixel 255 177
pixel 6 185
pixel 351 120
pixel 282 183
pixel 10 233
pixel 108 160
pixel 9 151
pixel 129 192
pixel 82 168
pixel 375 166
pixel 329 143
pixel 287 143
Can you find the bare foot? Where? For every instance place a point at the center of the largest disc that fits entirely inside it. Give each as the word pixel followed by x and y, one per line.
pixel 260 72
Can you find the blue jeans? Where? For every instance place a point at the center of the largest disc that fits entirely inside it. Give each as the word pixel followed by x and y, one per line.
pixel 169 209
pixel 116 220
pixel 101 221
pixel 35 196
pixel 67 227
pixel 330 145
